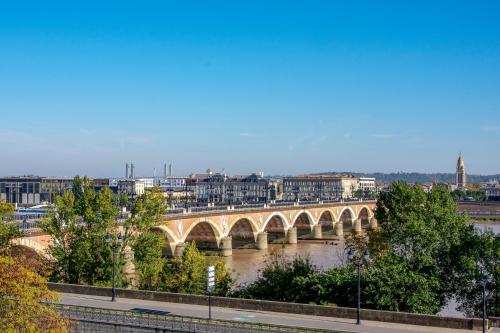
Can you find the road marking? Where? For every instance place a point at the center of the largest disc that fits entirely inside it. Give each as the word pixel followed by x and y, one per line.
pixel 244 318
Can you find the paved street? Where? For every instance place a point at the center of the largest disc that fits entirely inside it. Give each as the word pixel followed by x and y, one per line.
pixel 251 316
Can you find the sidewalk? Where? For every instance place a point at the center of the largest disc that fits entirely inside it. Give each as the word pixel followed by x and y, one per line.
pixel 340 324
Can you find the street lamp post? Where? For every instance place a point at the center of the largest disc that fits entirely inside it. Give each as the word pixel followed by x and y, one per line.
pixel 484 306
pixel 483 280
pixel 115 245
pixel 358 260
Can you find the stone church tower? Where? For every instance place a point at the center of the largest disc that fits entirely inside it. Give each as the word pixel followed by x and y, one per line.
pixel 461 181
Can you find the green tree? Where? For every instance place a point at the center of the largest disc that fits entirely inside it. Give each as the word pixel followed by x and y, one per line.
pixel 188 273
pixel 479 263
pixel 78 224
pixel 8 231
pixel 422 234
pixel 284 279
pixel 147 243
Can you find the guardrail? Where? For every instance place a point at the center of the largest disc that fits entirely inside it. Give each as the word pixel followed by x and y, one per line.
pixel 173 323
pixel 282 204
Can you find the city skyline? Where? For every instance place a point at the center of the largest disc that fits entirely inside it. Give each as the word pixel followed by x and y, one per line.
pixel 282 87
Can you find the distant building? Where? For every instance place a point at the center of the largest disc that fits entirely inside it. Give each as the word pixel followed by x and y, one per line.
pixel 221 189
pixel 149 183
pixel 319 187
pixel 492 193
pixel 367 184
pixel 461 178
pixel 32 190
pixel 172 183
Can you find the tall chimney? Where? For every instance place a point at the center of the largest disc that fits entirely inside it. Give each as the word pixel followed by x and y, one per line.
pixel 165 174
pixel 126 170
pixel 132 171
pixel 170 169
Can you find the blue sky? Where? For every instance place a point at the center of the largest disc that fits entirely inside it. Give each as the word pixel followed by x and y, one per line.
pixel 284 87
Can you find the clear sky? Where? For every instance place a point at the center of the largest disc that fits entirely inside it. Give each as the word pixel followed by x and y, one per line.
pixel 283 87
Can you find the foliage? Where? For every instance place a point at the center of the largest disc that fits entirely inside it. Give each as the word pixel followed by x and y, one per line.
pixel 145 242
pixel 149 262
pixel 8 231
pixel 391 284
pixel 188 274
pixel 78 224
pixel 22 293
pixel 423 235
pixel 284 280
pixel 479 263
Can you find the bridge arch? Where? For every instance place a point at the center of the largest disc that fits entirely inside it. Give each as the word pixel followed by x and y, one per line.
pixel 279 215
pixel 304 222
pixel 364 216
pixel 304 212
pixel 170 239
pixel 243 231
pixel 205 234
pixel 35 246
pixel 347 217
pixel 276 226
pixel 327 220
pixel 352 213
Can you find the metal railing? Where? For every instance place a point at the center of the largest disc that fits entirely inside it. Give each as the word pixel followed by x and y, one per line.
pixel 172 323
pixel 280 204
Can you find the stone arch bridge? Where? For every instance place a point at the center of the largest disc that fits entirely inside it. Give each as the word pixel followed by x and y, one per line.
pixel 253 227
pixel 256 227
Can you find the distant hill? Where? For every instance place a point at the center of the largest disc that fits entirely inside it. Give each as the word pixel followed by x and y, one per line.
pixel 415 177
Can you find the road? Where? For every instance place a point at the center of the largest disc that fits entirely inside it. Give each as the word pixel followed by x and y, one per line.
pixel 287 319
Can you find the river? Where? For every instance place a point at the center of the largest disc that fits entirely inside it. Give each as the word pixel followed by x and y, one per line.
pixel 246 263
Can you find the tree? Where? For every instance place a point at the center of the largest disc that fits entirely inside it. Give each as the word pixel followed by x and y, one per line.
pixel 422 235
pixel 285 280
pixel 23 297
pixel 188 274
pixel 479 262
pixel 8 231
pixel 78 224
pixel 147 244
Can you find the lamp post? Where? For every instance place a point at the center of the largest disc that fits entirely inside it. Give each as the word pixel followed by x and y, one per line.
pixel 483 280
pixel 358 260
pixel 115 245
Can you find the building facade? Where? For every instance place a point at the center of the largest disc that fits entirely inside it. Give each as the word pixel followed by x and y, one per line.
pixel 367 184
pixel 310 188
pixel 32 190
pixel 461 177
pixel 221 189
pixel 492 193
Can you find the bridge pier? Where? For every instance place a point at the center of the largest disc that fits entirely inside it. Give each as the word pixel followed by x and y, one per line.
pixel 226 246
pixel 373 223
pixel 179 249
pixel 291 236
pixel 339 229
pixel 357 226
pixel 261 243
pixel 317 234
